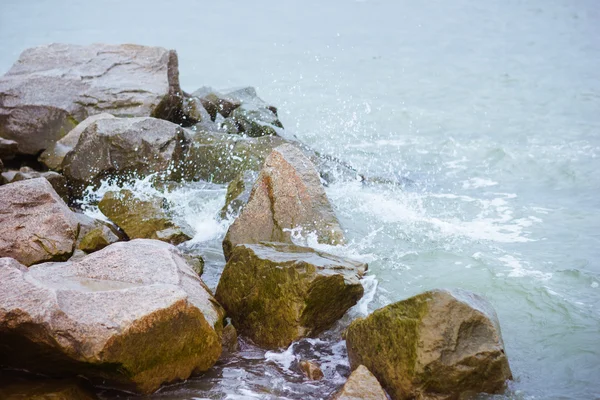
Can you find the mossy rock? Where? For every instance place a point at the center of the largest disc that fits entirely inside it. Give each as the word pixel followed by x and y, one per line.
pixel 238 193
pixel 276 293
pixel 142 218
pixel 439 343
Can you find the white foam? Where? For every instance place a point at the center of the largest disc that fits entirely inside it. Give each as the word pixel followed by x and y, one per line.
pixel 475 183
pixel 518 270
pixel 284 358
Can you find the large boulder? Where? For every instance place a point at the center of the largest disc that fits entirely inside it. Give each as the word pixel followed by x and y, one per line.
pixel 361 385
pixel 131 316
pixel 125 147
pixel 437 345
pixel 276 293
pixel 54 155
pixel 35 223
pixel 287 195
pixel 50 89
pixel 142 218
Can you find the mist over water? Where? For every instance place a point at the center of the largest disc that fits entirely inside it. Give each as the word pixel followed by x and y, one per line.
pixel 491 109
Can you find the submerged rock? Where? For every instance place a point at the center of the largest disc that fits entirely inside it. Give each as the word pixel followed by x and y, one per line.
pixel 52 88
pixel 311 370
pixel 58 182
pixel 361 385
pixel 287 195
pixel 276 293
pixel 120 147
pixel 55 154
pixel 142 219
pixel 439 344
pixel 35 223
pixel 131 316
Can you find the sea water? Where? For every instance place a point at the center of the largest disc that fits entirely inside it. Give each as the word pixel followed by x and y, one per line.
pixel 490 109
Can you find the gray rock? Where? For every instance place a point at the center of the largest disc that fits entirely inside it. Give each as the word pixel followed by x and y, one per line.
pixel 251 116
pixel 125 147
pixel 276 293
pixel 58 182
pixel 54 155
pixel 52 88
pixel 131 316
pixel 35 223
pixel 238 193
pixel 287 195
pixel 437 345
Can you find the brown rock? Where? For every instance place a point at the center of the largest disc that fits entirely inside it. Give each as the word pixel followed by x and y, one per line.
pixel 311 370
pixel 95 235
pixel 8 149
pixel 56 153
pixel 361 385
pixel 439 344
pixel 230 339
pixel 276 293
pixel 124 147
pixel 35 223
pixel 131 316
pixel 52 88
pixel 36 388
pixel 287 195
pixel 58 182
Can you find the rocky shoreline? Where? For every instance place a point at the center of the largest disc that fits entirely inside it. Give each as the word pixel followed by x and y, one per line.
pixel 118 303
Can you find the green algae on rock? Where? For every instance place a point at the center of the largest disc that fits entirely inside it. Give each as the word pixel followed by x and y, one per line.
pixel 439 344
pixel 141 218
pixel 131 316
pixel 276 293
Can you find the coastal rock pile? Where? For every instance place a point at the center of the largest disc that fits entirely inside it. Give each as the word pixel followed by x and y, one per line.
pixel 114 301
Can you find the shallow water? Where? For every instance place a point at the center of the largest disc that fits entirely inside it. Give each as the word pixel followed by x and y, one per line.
pixel 491 108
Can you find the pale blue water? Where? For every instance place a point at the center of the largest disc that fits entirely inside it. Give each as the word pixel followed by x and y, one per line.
pixel 491 108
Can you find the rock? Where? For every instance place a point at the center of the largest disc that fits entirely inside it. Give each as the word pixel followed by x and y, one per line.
pixel 230 339
pixel 251 116
pixel 35 223
pixel 131 316
pixel 95 235
pixel 216 103
pixel 8 149
pixel 196 262
pixel 287 195
pixel 52 88
pixel 218 157
pixel 276 293
pixel 124 147
pixel 142 218
pixel 55 154
pixel 238 193
pixel 45 389
pixel 361 385
pixel 311 370
pixel 439 344
pixel 58 182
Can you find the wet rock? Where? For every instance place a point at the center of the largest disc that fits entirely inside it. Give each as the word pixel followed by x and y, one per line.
pixel 58 182
pixel 218 157
pixel 124 147
pixel 216 103
pixel 142 218
pixel 251 116
pixel 8 149
pixel 35 223
pixel 38 388
pixel 95 235
pixel 52 88
pixel 230 339
pixel 287 195
pixel 131 316
pixel 196 262
pixel 276 293
pixel 238 193
pixel 361 385
pixel 55 154
pixel 439 344
pixel 311 370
